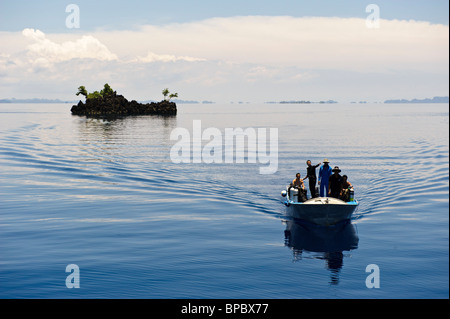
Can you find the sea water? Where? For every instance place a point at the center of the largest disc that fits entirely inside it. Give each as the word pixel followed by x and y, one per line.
pixel 104 195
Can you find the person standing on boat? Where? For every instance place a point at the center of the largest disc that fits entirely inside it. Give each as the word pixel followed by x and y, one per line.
pixel 324 176
pixel 335 183
pixel 311 175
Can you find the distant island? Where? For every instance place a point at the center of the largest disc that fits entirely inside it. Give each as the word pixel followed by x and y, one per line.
pixel 56 101
pixel 436 99
pixel 34 100
pixel 303 102
pixel 177 101
pixel 108 103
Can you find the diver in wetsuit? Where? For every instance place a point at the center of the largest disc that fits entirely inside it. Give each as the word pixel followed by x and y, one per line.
pixel 346 186
pixel 335 183
pixel 324 178
pixel 311 174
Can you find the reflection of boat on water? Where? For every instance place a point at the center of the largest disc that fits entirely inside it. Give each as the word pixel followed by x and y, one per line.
pixel 320 210
pixel 330 242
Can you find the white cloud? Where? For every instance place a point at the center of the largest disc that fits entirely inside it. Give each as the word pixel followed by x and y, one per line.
pixel 314 42
pixel 310 43
pixel 267 58
pixel 45 52
pixel 153 57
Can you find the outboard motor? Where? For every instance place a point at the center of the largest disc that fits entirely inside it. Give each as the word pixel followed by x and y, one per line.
pixel 293 194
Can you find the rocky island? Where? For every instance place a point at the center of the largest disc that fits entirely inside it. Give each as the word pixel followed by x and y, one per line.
pixel 108 103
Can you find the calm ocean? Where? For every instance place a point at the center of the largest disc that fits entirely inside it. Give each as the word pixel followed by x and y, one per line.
pixel 105 195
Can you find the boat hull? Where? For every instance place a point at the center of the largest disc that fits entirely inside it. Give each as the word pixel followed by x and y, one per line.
pixel 322 210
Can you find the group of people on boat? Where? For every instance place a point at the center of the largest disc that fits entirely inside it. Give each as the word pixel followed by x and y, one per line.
pixel 331 183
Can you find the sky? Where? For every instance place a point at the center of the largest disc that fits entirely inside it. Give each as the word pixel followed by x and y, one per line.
pixel 251 51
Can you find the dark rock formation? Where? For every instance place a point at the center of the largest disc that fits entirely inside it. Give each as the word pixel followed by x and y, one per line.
pixel 117 105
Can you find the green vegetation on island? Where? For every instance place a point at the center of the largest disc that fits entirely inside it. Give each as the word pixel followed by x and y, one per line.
pixel 167 95
pixel 107 91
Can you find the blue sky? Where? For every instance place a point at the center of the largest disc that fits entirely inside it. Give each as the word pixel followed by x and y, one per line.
pixel 49 16
pixel 226 51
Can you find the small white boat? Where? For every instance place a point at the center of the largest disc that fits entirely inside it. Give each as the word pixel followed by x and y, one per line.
pixel 320 210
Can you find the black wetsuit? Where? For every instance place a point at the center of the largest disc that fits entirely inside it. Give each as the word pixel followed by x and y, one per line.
pixel 311 175
pixel 335 185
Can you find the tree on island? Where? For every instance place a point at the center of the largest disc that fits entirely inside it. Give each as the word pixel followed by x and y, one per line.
pixel 166 94
pixel 107 91
pixel 82 91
